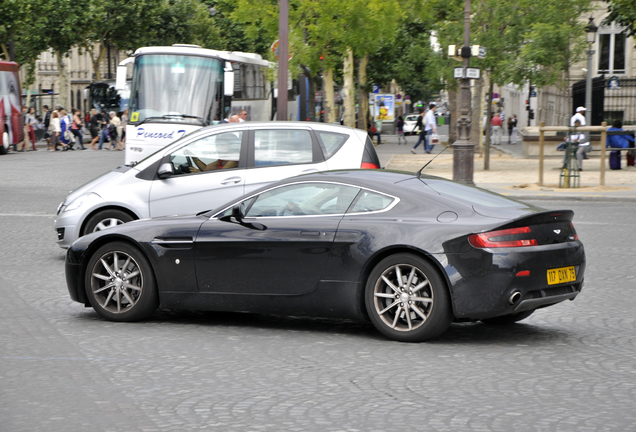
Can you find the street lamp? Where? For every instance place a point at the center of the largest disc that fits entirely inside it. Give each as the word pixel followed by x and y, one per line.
pixel 463 149
pixel 590 30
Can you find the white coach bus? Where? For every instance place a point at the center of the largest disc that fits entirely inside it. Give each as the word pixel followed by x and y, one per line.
pixel 178 89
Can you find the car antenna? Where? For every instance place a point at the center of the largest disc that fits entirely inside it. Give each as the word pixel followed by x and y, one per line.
pixel 419 173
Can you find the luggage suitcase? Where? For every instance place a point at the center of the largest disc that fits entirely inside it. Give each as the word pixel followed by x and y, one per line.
pixel 630 158
pixel 615 160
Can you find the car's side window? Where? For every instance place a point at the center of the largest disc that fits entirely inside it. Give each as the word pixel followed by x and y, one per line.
pixel 331 141
pixel 213 152
pixel 303 199
pixel 282 147
pixel 370 201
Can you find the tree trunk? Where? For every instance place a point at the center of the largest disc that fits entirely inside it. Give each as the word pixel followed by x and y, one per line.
pixel 475 130
pixel 349 90
pixel 363 96
pixel 328 101
pixel 96 61
pixel 491 86
pixel 452 127
pixel 61 66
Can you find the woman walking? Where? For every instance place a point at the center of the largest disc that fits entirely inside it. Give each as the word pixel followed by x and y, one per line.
pixel 55 130
pixel 76 129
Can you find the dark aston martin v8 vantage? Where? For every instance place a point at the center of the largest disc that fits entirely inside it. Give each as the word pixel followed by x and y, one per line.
pixel 410 252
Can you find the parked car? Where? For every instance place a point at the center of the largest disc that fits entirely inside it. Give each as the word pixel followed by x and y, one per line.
pixel 409 124
pixel 410 252
pixel 207 168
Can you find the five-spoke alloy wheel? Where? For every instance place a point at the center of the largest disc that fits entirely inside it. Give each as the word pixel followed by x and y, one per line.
pixel 120 283
pixel 407 300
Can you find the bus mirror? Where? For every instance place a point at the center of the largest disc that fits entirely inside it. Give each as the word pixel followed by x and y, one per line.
pixel 120 83
pixel 228 85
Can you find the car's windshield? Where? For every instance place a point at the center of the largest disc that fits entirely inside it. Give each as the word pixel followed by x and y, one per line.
pixel 176 88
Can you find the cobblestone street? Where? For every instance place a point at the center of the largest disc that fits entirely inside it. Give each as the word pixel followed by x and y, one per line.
pixel 571 367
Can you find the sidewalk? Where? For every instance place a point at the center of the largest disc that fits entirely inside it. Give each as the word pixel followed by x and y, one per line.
pixel 512 175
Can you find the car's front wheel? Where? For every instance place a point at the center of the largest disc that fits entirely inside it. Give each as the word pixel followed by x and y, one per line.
pixel 106 219
pixel 407 299
pixel 120 283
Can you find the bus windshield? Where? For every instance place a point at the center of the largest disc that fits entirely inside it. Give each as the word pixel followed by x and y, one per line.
pixel 176 88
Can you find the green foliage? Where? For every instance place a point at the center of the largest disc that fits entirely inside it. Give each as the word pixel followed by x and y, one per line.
pixel 622 12
pixel 184 22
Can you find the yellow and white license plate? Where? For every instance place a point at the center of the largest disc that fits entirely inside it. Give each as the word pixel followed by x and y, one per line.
pixel 561 275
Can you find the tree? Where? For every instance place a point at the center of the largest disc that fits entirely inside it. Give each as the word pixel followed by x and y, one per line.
pixel 121 24
pixel 622 12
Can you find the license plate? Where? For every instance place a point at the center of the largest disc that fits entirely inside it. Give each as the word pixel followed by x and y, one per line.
pixel 561 275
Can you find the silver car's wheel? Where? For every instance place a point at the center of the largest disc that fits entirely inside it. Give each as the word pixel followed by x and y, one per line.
pixel 106 219
pixel 120 283
pixel 407 300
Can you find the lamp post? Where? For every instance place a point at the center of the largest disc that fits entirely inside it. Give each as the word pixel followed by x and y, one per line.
pixel 463 149
pixel 590 30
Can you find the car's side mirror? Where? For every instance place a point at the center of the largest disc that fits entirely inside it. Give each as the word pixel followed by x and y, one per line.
pixel 165 170
pixel 237 217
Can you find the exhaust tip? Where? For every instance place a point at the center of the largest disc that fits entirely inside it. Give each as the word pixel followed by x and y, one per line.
pixel 515 298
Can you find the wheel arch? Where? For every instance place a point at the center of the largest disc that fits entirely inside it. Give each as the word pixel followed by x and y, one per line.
pixel 379 256
pixel 106 208
pixel 94 246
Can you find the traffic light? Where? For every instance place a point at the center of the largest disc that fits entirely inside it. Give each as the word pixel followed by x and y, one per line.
pixel 531 114
pixel 527 105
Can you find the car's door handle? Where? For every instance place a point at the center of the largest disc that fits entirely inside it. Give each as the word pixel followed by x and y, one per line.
pixel 310 233
pixel 231 180
pixel 311 170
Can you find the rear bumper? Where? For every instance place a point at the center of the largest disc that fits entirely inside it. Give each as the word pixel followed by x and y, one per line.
pixel 488 284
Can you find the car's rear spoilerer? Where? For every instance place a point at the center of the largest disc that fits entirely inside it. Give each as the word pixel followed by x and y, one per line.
pixel 410 253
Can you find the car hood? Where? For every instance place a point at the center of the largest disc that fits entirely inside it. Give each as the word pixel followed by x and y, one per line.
pixel 95 185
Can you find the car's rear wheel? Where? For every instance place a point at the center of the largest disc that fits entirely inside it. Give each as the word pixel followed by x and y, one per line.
pixel 508 319
pixel 106 219
pixel 120 283
pixel 407 299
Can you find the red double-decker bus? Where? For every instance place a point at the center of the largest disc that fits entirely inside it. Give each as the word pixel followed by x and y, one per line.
pixel 11 121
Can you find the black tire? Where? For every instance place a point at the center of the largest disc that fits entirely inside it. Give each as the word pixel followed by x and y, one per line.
pixel 421 291
pixel 120 283
pixel 106 219
pixel 508 319
pixel 5 139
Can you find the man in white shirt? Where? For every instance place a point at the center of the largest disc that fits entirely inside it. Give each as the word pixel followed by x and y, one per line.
pixel 431 126
pixel 578 116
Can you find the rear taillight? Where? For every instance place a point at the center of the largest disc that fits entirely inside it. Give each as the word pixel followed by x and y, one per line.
pixel 513 237
pixel 576 236
pixel 369 165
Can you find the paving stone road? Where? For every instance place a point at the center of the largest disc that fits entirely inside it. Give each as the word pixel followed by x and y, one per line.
pixel 571 367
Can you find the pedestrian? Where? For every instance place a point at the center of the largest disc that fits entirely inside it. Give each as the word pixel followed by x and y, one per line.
pixel 580 117
pixel 103 124
pixel 29 131
pixel 400 130
pixel 55 130
pixel 619 141
pixel 496 123
pixel 93 127
pixel 65 124
pixel 512 129
pixel 76 129
pixel 242 115
pixel 47 123
pixel 419 123
pixel 431 126
pixel 124 123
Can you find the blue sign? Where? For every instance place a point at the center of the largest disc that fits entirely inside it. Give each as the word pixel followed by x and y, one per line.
pixel 376 88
